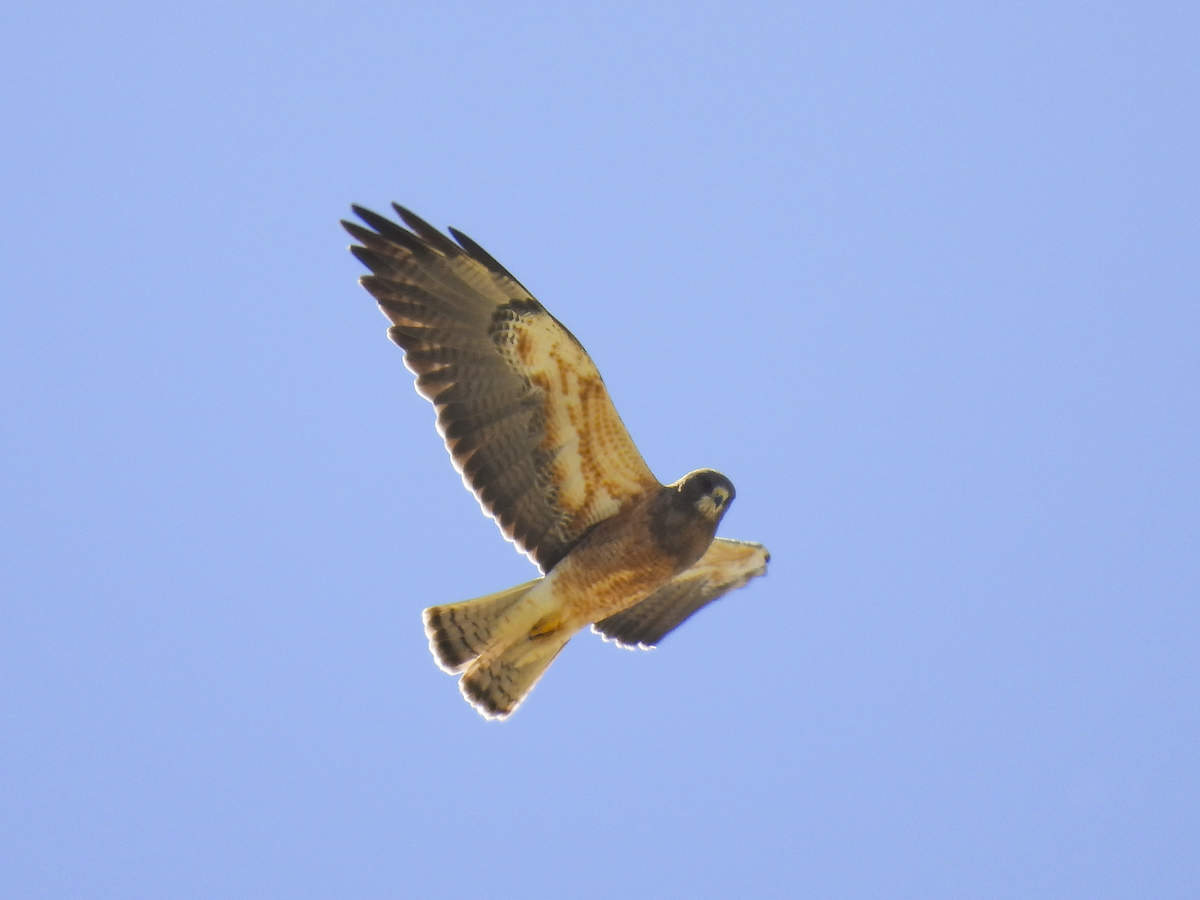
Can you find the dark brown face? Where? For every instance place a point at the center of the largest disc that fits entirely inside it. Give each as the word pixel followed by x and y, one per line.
pixel 687 513
pixel 709 492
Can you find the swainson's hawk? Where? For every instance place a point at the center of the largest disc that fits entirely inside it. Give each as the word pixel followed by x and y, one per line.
pixel 529 425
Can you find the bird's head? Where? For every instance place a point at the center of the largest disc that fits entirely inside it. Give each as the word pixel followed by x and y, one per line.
pixel 685 515
pixel 709 492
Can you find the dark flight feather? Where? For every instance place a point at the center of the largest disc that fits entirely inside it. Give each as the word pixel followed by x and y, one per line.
pixel 519 403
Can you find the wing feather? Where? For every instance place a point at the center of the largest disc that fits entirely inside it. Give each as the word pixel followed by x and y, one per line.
pixel 726 566
pixel 522 409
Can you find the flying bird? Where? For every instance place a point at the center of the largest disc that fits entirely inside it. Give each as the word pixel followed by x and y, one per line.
pixel 531 429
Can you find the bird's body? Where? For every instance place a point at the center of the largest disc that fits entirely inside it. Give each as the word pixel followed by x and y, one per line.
pixel 529 424
pixel 615 566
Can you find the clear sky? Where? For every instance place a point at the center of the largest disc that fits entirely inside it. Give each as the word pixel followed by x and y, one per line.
pixel 921 278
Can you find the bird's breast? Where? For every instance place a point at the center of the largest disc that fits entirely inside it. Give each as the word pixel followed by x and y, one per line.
pixel 615 566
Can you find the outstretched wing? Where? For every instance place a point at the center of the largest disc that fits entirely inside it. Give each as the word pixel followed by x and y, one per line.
pixel 727 565
pixel 524 413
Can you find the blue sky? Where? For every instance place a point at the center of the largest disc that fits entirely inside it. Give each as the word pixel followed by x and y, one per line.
pixel 921 278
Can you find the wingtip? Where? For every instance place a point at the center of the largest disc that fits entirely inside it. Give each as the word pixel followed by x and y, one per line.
pixel 413 221
pixel 367 257
pixel 426 232
pixel 480 255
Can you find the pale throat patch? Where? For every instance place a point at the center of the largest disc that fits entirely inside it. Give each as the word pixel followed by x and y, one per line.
pixel 711 504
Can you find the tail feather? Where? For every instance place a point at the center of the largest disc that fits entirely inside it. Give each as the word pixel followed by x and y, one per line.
pixel 459 632
pixel 496 683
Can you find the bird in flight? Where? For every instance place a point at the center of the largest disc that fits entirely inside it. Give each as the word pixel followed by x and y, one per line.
pixel 531 429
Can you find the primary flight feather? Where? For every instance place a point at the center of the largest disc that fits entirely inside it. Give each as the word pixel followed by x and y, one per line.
pixel 530 426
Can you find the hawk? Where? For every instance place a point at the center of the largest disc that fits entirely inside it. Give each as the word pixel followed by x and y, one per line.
pixel 531 429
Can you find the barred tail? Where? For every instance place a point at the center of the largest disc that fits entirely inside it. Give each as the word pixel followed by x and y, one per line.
pixel 497 682
pixel 459 632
